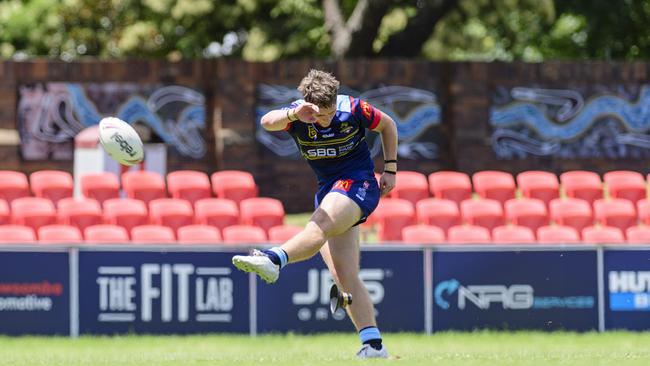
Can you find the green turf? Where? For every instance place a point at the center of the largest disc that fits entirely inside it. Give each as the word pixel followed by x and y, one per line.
pixel 481 348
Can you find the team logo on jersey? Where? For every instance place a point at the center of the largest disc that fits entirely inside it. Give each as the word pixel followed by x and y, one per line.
pixel 366 109
pixel 343 185
pixel 311 132
pixel 345 128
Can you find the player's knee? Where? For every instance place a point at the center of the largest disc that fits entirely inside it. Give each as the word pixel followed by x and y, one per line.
pixel 322 224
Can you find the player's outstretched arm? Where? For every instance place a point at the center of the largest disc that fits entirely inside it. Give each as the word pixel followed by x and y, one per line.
pixel 388 130
pixel 278 119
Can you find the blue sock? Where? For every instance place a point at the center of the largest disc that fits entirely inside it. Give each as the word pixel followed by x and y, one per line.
pixel 277 256
pixel 371 336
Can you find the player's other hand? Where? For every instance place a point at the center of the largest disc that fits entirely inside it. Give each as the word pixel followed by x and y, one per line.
pixel 307 112
pixel 386 183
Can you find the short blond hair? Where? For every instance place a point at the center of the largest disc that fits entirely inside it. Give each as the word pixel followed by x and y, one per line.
pixel 319 87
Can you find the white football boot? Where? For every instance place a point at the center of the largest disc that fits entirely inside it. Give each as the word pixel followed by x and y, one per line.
pixel 367 351
pixel 258 263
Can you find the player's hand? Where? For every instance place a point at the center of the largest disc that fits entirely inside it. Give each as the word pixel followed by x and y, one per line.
pixel 387 183
pixel 306 112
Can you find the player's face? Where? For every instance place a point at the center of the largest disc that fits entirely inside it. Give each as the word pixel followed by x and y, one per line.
pixel 325 115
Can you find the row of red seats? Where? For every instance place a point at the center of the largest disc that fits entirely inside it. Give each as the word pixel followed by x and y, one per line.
pixel 512 234
pixel 152 234
pixel 143 185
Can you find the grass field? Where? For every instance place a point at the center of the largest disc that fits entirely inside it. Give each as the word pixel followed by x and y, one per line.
pixel 481 348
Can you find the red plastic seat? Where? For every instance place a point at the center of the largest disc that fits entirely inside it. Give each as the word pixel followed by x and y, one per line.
pixel 468 234
pixel 152 234
pixel 423 234
pixel 235 185
pixel 572 212
pixel 106 234
pixel 537 184
pixel 59 234
pixel 602 235
pixel 51 184
pixel 100 186
pixel 198 234
pixel 5 213
pixel 391 216
pixel 494 185
pixel 484 212
pixel 143 185
pixel 529 212
pixel 80 212
pixel 439 212
pixel 455 186
pixel 557 234
pixel 261 211
pixel 582 184
pixel 243 234
pixel 615 212
pixel 18 234
pixel 13 185
pixel 512 234
pixel 411 186
pixel 217 212
pixel 171 212
pixel 282 233
pixel 190 185
pixel 643 210
pixel 638 235
pixel 125 212
pixel 626 184
pixel 33 212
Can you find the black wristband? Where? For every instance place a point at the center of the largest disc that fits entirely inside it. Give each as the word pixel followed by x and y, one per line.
pixel 289 117
pixel 390 172
pixel 390 161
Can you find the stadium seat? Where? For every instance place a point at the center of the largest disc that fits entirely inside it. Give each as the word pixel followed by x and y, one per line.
pixel 455 186
pixel 125 212
pixel 243 234
pixel 411 186
pixel 217 212
pixel 235 185
pixel 529 212
pixel 423 234
pixel 468 234
pixel 100 186
pixel 81 213
pixel 483 212
pixel 51 184
pixel 13 185
pixel 17 234
pixel 189 185
pixel 63 234
pixel 282 233
pixel 494 185
pixel 261 211
pixel 615 212
pixel 152 234
pixel 572 212
pixel 626 184
pixel 33 212
pixel 439 212
pixel 602 235
pixel 5 213
pixel 198 234
pixel 582 184
pixel 638 235
pixel 391 216
pixel 106 234
pixel 537 184
pixel 171 212
pixel 143 185
pixel 557 234
pixel 643 211
pixel 512 234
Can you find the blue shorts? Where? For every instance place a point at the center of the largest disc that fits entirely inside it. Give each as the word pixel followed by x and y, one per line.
pixel 360 187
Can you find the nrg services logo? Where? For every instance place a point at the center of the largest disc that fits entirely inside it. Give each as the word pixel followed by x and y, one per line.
pixel 513 297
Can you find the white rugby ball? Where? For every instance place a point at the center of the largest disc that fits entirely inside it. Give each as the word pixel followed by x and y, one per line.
pixel 120 141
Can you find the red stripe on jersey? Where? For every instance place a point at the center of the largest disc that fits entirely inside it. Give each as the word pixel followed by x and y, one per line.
pixel 375 119
pixel 288 126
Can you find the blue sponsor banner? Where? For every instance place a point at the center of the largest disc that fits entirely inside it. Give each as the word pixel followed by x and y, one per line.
pixel 161 292
pixel 299 301
pixel 627 289
pixel 34 293
pixel 545 290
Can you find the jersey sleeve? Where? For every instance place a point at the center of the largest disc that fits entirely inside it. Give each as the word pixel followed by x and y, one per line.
pixel 365 113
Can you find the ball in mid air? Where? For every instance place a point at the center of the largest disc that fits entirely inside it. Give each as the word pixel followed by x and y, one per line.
pixel 120 141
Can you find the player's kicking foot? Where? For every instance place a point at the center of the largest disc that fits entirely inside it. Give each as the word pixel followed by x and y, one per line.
pixel 368 352
pixel 258 263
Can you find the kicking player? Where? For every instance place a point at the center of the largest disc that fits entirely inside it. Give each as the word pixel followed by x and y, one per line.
pixel 330 130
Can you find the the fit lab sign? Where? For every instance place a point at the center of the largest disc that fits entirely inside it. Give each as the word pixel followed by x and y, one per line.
pixel 629 290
